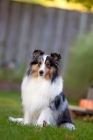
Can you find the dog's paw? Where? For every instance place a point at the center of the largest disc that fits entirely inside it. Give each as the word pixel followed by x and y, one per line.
pixel 42 123
pixel 39 123
pixel 69 126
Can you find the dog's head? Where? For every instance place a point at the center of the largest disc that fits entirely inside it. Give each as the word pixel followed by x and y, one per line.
pixel 46 66
pixel 59 103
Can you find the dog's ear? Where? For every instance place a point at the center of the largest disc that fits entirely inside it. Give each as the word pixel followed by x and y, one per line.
pixel 55 56
pixel 37 53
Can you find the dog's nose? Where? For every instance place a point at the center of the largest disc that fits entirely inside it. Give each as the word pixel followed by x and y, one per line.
pixel 41 72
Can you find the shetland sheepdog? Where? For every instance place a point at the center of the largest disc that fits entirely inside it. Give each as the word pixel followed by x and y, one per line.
pixel 40 92
pixel 41 84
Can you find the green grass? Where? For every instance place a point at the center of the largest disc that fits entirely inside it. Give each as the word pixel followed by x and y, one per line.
pixel 10 105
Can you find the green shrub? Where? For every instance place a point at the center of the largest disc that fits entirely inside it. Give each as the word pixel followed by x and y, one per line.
pixel 79 74
pixel 13 76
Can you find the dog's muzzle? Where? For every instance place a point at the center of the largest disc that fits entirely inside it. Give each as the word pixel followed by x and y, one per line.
pixel 41 72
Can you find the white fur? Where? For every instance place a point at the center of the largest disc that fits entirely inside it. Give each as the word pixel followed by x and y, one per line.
pixel 19 120
pixel 47 116
pixel 36 94
pixel 70 126
pixel 43 65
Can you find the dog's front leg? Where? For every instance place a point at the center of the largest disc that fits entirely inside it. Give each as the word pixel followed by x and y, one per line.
pixel 27 117
pixel 45 116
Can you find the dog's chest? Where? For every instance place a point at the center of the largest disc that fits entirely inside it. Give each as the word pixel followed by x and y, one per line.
pixel 37 92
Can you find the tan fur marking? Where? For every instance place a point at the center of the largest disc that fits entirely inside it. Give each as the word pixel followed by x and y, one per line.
pixel 47 63
pixel 49 72
pixel 35 69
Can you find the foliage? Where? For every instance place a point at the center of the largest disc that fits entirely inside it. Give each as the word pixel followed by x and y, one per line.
pixel 10 104
pixel 79 75
pixel 66 4
pixel 87 3
pixel 12 75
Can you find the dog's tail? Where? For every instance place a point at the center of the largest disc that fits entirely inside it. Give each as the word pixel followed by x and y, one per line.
pixel 18 120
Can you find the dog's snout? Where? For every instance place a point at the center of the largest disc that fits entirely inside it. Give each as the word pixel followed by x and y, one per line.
pixel 41 72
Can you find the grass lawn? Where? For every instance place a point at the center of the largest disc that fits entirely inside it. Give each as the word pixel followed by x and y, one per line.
pixel 10 105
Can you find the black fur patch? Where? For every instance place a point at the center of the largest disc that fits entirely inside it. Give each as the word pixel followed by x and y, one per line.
pixel 54 76
pixel 34 62
pixel 63 95
pixel 57 101
pixel 65 117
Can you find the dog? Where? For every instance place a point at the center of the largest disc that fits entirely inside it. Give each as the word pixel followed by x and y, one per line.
pixel 43 101
pixel 41 84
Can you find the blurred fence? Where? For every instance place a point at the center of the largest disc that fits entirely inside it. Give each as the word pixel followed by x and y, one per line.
pixel 25 27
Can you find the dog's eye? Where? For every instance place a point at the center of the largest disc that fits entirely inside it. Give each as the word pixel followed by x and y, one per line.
pixel 39 63
pixel 48 65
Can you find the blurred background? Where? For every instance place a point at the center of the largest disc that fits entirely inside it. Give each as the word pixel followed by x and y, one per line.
pixel 62 26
